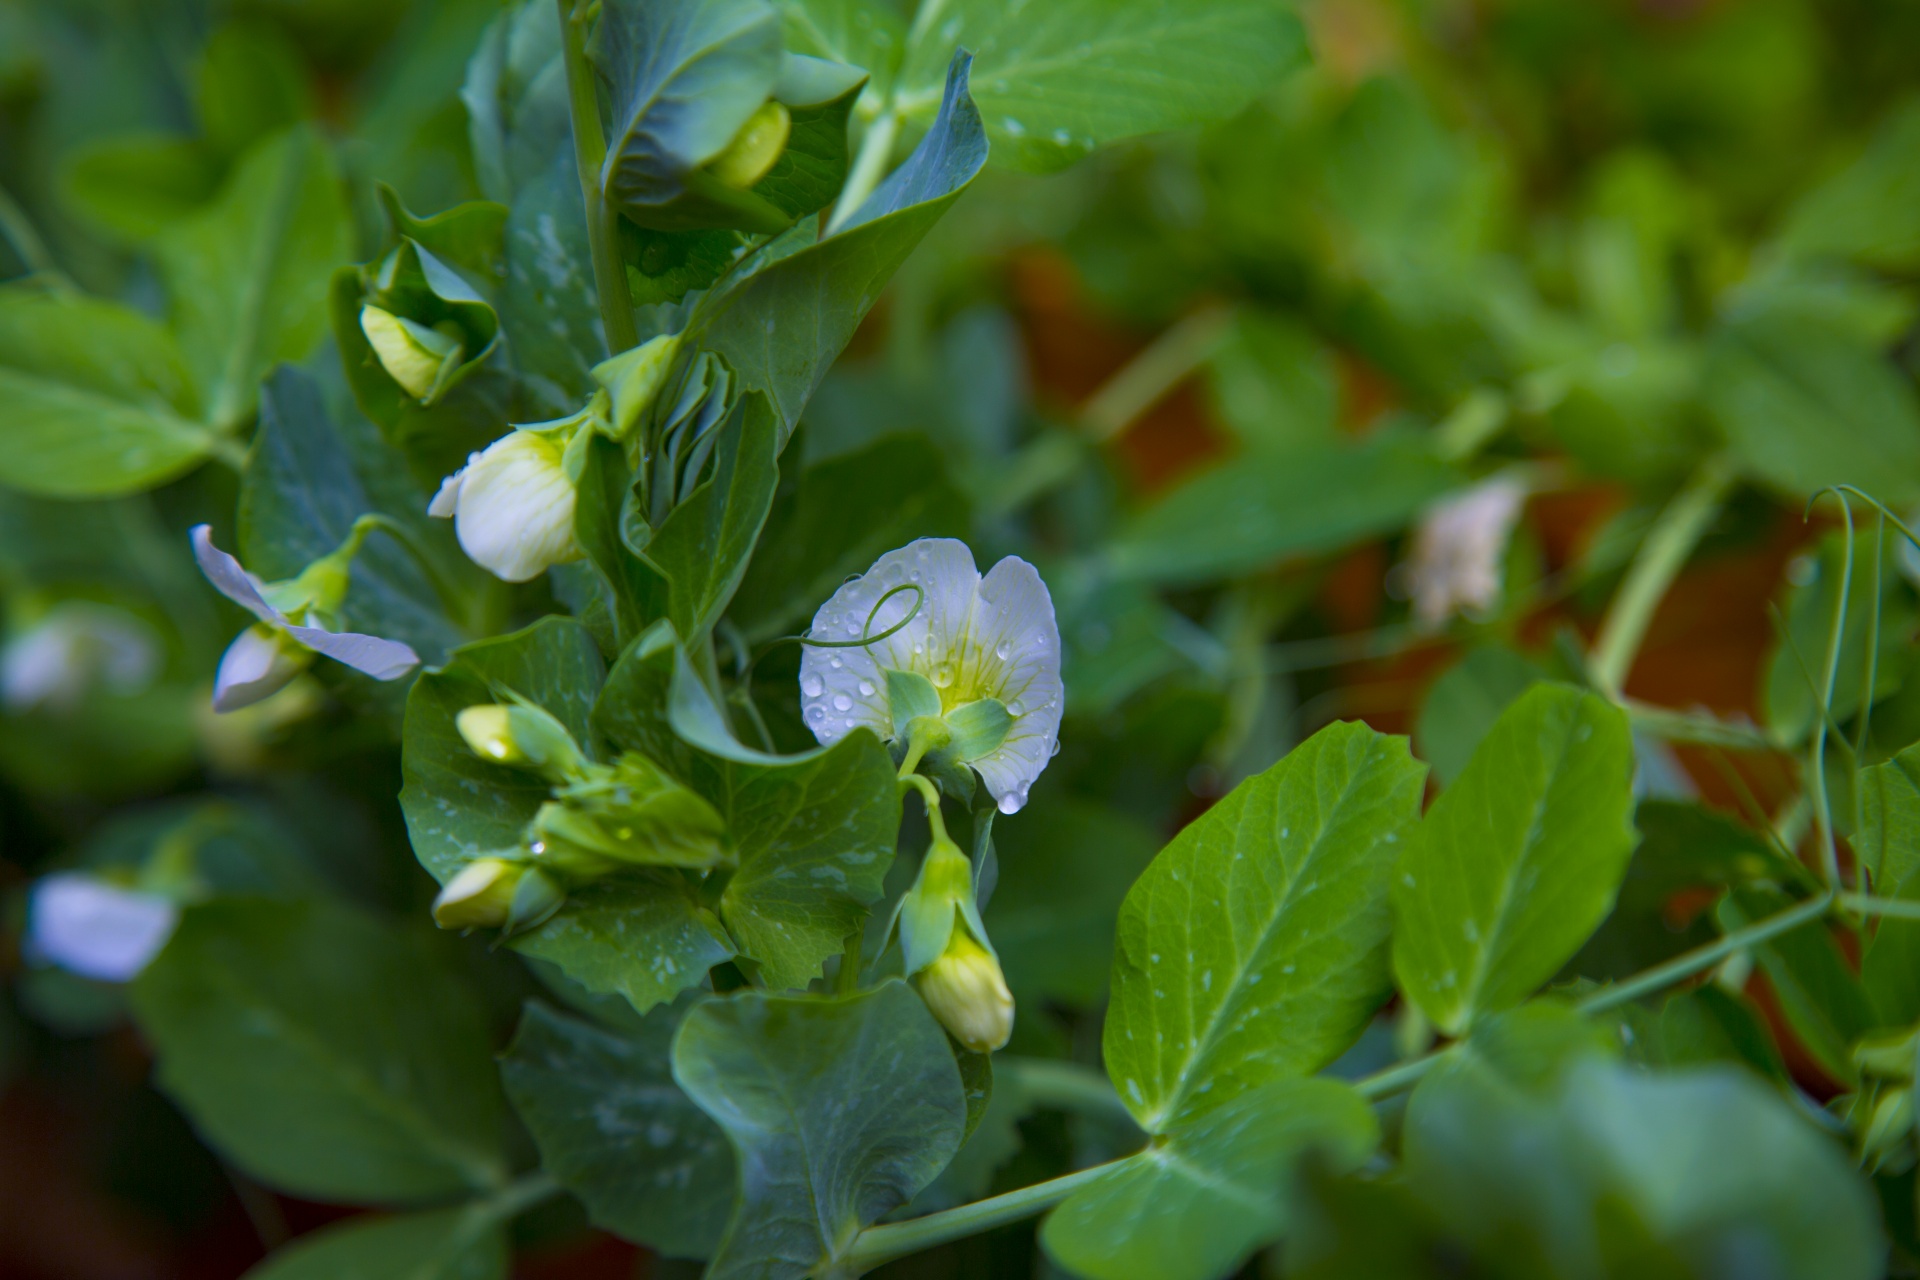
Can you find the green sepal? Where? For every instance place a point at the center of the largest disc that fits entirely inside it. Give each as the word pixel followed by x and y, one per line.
pixel 910 696
pixel 978 728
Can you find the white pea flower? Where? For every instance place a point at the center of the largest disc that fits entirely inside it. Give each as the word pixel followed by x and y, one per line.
pixel 77 646
pixel 1458 550
pixel 264 657
pixel 981 654
pixel 512 505
pixel 95 929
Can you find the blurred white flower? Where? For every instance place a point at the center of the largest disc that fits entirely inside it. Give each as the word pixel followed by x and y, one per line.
pixel 1459 548
pixel 512 505
pixel 77 646
pixel 267 655
pixel 95 929
pixel 976 641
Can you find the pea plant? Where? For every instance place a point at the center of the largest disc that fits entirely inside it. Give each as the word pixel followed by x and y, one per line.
pixel 762 909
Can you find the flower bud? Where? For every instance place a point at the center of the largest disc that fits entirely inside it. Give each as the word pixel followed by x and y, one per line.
pixel 1889 1054
pixel 512 506
pixel 633 378
pixel 754 149
pixel 479 896
pixel 258 664
pixel 1890 1123
pixel 96 929
pixel 523 736
pixel 416 357
pixel 968 994
pixel 535 899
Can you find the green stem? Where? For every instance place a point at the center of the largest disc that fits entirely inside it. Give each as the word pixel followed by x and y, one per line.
pixel 1166 362
pixel 521 1194
pixel 1867 905
pixel 1698 727
pixel 1064 1086
pixel 590 155
pixel 869 166
pixel 929 796
pixel 1817 749
pixel 847 981
pixel 227 451
pixel 879 1245
pixel 1659 560
pixel 1699 959
pixel 19 231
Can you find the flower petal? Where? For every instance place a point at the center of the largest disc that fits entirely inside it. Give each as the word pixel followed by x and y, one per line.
pixel 95 929
pixel 382 659
pixel 1014 655
pixel 516 507
pixel 446 499
pixel 842 689
pixel 230 578
pixel 256 666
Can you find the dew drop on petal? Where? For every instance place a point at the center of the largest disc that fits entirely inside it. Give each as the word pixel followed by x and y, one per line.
pixel 1010 803
pixel 835 663
pixel 1016 708
pixel 942 675
pixel 816 714
pixel 866 688
pixel 842 702
pixel 811 685
pixel 1003 651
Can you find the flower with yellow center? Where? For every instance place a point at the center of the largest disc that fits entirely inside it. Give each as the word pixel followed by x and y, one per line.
pixel 977 663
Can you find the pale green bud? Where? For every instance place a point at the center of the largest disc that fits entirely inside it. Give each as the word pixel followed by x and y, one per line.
pixel 967 993
pixel 931 911
pixel 1891 1122
pixel 525 737
pixel 754 149
pixel 1888 1055
pixel 416 357
pixel 479 896
pixel 633 378
pixel 535 899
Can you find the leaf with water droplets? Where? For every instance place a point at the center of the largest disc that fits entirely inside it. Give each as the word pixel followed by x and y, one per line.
pixel 1254 949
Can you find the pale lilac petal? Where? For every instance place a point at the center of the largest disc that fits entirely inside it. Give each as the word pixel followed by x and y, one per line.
pixel 254 668
pixel 381 659
pixel 1015 649
pixel 230 578
pixel 95 929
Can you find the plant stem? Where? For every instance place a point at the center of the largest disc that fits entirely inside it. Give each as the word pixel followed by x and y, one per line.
pixel 1817 749
pixel 1699 727
pixel 869 166
pixel 18 230
pixel 878 1245
pixel 1149 376
pixel 1868 905
pixel 1659 560
pixel 590 155
pixel 1067 1086
pixel 1705 957
pixel 522 1194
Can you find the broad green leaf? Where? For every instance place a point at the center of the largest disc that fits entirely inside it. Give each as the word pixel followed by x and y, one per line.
pixel 1804 405
pixel 1059 80
pixel 814 833
pixel 1699 1027
pixel 1254 948
pixel 840 517
pixel 617 1132
pixel 444 1244
pixel 248 276
pixel 1263 505
pixel 646 938
pixel 1465 702
pixel 548 310
pixel 1274 383
pixel 1518 860
pixel 1193 1206
pixel 1796 667
pixel 1065 868
pixel 1814 986
pixel 1888 840
pixel 1870 210
pixel 325 1052
pixel 633 589
pixel 839 1110
pixel 782 327
pixel 250 82
pixel 303 489
pixel 704 545
pixel 515 93
pixel 99 400
pixel 682 78
pixel 135 186
pixel 868 34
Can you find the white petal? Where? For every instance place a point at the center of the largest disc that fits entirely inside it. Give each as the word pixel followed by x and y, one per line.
pixel 842 689
pixel 42 667
pixel 446 499
pixel 1459 547
pixel 77 644
pixel 1015 657
pixel 516 508
pixel 382 659
pixel 229 577
pixel 96 929
pixel 255 667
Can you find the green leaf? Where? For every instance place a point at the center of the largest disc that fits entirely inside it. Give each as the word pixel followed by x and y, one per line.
pixel 1805 404
pixel 682 78
pixel 446 1244
pixel 326 1053
pixel 840 1111
pixel 604 493
pixel 300 495
pixel 840 516
pixel 868 34
pixel 811 169
pixel 549 311
pixel 704 545
pixel 134 186
pixel 814 833
pixel 617 1132
pixel 1517 861
pixel 1264 505
pixel 99 399
pixel 782 327
pixel 1254 949
pixel 248 276
pixel 1888 841
pixel 1796 666
pixel 516 99
pixel 1465 702
pixel 1699 1027
pixel 1868 212
pixel 251 81
pixel 1195 1205
pixel 1065 868
pixel 1059 80
pixel 1814 987
pixel 1274 383
pixel 646 938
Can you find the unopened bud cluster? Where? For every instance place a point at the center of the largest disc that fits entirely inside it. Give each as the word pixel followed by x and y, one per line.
pixel 947 953
pixel 602 819
pixel 1881 1111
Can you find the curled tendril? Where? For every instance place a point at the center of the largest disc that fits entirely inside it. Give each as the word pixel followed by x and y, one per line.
pixel 919 598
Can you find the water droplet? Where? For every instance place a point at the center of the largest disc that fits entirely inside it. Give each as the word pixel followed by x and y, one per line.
pixel 1016 708
pixel 816 714
pixel 866 688
pixel 853 628
pixel 841 702
pixel 1010 803
pixel 919 649
pixel 835 663
pixel 1003 651
pixel 942 674
pixel 811 685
